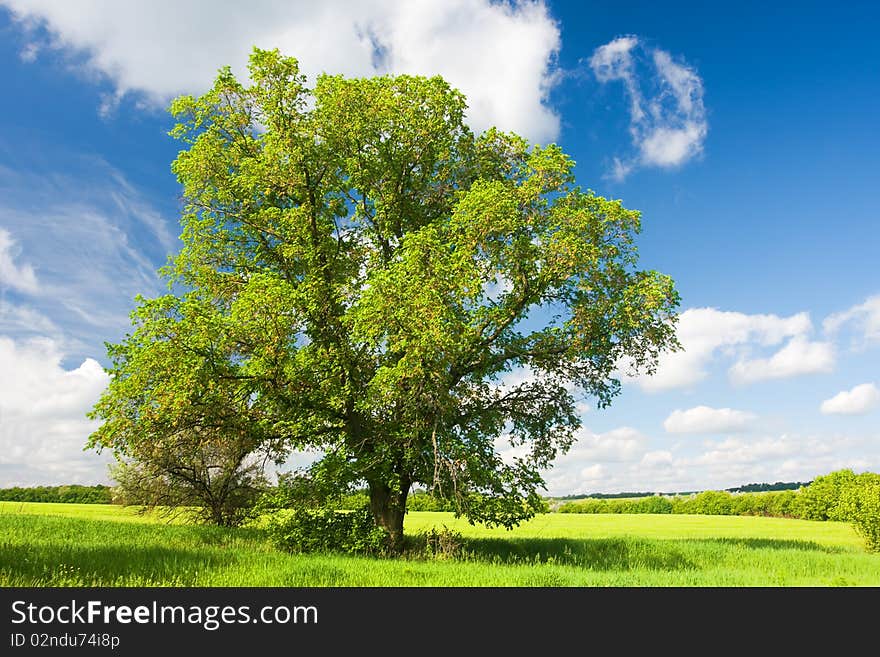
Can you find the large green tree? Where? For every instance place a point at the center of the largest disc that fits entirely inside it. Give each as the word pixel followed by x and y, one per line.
pixel 360 273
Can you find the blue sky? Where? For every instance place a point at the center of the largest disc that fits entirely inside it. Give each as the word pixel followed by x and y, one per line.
pixel 748 137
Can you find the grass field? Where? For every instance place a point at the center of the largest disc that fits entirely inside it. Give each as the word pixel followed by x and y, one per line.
pixel 102 545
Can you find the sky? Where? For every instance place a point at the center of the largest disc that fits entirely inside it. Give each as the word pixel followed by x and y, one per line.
pixel 748 136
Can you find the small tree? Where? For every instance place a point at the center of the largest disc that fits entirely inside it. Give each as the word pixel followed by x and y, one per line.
pixel 217 483
pixel 181 419
pixel 367 271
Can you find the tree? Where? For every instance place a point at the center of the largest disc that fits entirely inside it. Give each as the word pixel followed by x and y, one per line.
pixel 182 418
pixel 381 284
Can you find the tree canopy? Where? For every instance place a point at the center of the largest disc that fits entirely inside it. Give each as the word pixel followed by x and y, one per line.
pixel 363 275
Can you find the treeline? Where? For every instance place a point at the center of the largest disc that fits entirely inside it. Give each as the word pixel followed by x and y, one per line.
pixel 841 495
pixel 779 485
pixel 748 488
pixel 73 493
pixel 781 504
pixel 611 496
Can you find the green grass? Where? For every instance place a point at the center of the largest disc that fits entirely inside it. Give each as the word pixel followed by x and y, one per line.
pixel 102 545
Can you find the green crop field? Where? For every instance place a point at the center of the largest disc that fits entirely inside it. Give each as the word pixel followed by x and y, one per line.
pixel 103 545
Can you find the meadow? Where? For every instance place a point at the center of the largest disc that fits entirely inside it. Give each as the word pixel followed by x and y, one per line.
pixel 45 544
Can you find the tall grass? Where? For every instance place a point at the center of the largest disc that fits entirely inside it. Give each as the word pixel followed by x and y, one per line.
pixel 91 545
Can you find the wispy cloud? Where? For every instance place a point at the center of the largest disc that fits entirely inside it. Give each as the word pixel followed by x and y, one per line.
pixel 863 318
pixel 668 124
pixel 500 54
pixel 18 277
pixel 92 244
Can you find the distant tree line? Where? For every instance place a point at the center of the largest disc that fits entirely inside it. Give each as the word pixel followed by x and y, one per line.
pixel 72 493
pixel 840 496
pixel 781 504
pixel 760 488
pixel 748 488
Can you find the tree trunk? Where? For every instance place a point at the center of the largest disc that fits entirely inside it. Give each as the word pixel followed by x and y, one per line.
pixel 388 507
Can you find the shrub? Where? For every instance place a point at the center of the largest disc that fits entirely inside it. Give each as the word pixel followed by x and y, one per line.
pixel 860 504
pixel 586 506
pixel 653 504
pixel 781 504
pixel 713 503
pixel 820 500
pixel 423 501
pixel 327 530
pixel 440 543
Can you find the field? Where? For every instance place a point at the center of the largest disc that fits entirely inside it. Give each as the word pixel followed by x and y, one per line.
pixel 103 545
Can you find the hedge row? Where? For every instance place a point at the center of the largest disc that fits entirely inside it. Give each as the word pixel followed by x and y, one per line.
pixel 73 493
pixel 716 503
pixel 841 495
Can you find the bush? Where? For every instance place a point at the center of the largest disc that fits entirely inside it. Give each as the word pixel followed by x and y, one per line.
pixel 860 504
pixel 820 500
pixel 774 503
pixel 440 543
pixel 712 503
pixel 653 504
pixel 423 501
pixel 781 504
pixel 327 530
pixel 586 506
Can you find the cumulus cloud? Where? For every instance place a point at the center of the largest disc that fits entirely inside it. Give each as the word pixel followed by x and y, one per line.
pixel 668 122
pixel 711 464
pixel 584 466
pixel 704 419
pixel 706 332
pixel 660 458
pixel 43 427
pixel 735 461
pixel 863 318
pixel 859 400
pixel 18 277
pixel 501 55
pixel 799 356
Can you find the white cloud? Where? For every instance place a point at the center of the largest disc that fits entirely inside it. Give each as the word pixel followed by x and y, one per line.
pixel 704 332
pixel 864 317
pixel 799 356
pixel 704 419
pixel 501 55
pixel 17 277
pixel 660 458
pixel 786 457
pixel 16 319
pixel 736 451
pixel 583 467
pixel 714 464
pixel 861 399
pixel 667 116
pixel 43 427
pixel 614 61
